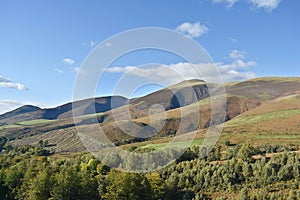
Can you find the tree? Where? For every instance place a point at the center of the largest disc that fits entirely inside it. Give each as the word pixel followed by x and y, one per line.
pixel 292 195
pixel 285 172
pixel 66 184
pixel 227 143
pixel 42 152
pixel 157 185
pixel 39 187
pixel 127 186
pixel 3 141
pixel 215 154
pixel 88 186
pixel 187 195
pixel 244 194
pixel 247 170
pixel 14 177
pixel 245 153
pixel 92 164
pixel 43 143
pixel 3 188
pixel 199 197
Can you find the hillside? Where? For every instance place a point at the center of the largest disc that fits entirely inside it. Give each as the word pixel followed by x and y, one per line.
pixel 260 111
pixel 274 122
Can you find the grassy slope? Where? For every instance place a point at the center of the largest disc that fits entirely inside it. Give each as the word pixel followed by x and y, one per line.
pixel 274 122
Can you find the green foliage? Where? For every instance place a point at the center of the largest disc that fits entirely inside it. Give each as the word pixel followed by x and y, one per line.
pixel 292 195
pixel 39 186
pixel 245 153
pixel 3 141
pixel 244 194
pixel 43 143
pixel 127 186
pixel 4 191
pixel 26 175
pixel 227 143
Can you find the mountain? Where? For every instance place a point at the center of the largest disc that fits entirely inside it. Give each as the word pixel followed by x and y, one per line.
pixel 84 107
pixel 164 97
pixel 175 96
pixel 256 108
pixel 22 110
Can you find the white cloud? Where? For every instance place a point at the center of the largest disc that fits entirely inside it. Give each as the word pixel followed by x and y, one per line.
pixel 7 83
pixel 192 30
pixel 69 61
pixel 228 2
pixel 237 70
pixel 268 5
pixel 9 105
pixel 18 86
pixel 237 54
pixel 236 65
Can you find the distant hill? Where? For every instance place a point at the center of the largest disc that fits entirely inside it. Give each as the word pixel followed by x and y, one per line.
pixel 19 111
pixel 84 107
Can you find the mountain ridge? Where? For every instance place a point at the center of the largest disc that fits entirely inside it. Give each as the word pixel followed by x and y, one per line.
pixel 102 104
pixel 92 105
pixel 244 102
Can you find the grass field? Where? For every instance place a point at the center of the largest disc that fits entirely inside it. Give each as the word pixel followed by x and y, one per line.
pixel 9 126
pixel 27 123
pixel 275 136
pixel 33 122
pixel 253 119
pixel 180 144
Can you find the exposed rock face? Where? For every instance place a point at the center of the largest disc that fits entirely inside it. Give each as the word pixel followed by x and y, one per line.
pixel 181 94
pixel 188 95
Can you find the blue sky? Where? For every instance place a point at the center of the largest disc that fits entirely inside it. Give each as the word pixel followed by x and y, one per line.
pixel 43 43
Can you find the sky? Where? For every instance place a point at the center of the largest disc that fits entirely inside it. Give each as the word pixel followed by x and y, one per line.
pixel 44 43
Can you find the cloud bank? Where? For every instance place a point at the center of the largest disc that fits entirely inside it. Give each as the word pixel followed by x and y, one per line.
pixel 237 70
